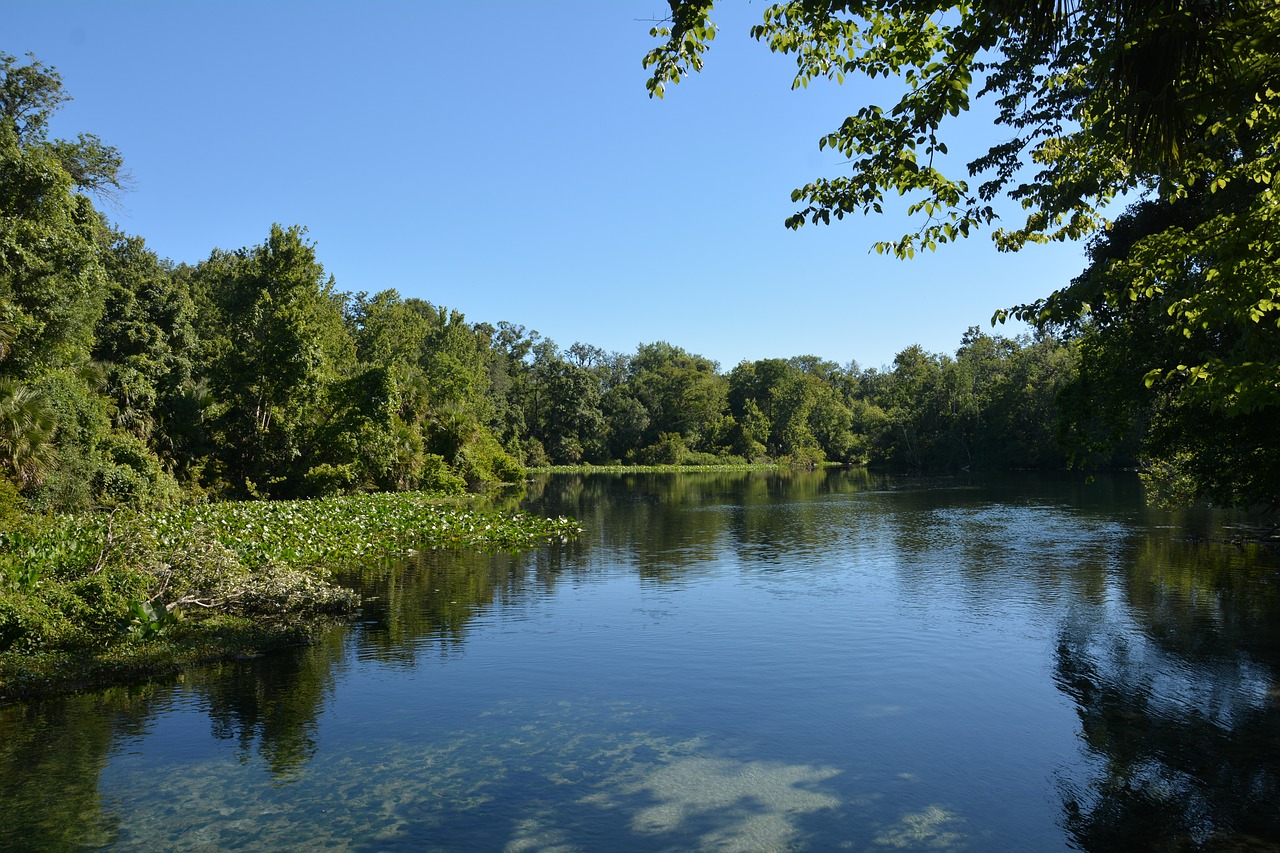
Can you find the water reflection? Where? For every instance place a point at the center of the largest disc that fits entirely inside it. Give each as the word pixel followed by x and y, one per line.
pixel 667 525
pixel 50 757
pixel 270 707
pixel 1178 702
pixel 729 662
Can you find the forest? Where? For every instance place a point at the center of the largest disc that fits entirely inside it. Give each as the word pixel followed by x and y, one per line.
pixel 128 379
pixel 131 380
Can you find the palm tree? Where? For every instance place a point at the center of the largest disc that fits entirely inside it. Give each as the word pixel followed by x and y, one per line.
pixel 27 425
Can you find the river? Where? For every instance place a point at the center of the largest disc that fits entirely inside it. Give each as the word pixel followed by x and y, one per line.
pixel 830 660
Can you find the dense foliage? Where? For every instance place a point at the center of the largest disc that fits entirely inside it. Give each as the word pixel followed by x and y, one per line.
pixel 129 381
pixel 77 593
pixel 1171 106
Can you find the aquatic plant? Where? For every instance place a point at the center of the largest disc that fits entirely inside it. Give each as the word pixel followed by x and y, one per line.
pixel 77 587
pixel 346 527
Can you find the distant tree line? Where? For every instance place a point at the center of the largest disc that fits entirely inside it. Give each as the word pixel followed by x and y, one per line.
pixel 128 379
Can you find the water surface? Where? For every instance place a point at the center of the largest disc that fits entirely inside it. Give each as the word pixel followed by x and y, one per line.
pixel 755 662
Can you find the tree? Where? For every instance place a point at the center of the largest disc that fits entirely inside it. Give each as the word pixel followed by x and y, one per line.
pixel 571 425
pixel 27 425
pixel 281 340
pixel 387 331
pixel 51 279
pixel 145 336
pixel 29 96
pixel 1207 421
pixel 455 362
pixel 916 400
pixel 681 392
pixel 1175 102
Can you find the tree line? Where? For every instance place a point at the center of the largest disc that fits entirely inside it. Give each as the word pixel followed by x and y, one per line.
pixel 129 379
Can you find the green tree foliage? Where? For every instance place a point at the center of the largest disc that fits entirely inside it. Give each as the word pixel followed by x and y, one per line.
pixel 1005 398
pixel 1205 435
pixel 993 406
pixel 27 426
pixel 510 384
pixel 145 339
pixel 1176 102
pixel 682 392
pixel 51 281
pixel 570 423
pixel 251 374
pixel 780 395
pixel 455 367
pixel 281 340
pixel 388 331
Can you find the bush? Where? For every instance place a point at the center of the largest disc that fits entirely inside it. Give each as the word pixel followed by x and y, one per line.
pixel 437 476
pixel 535 455
pixel 117 485
pixel 482 460
pixel 119 470
pixel 131 474
pixel 670 449
pixel 326 480
pixel 13 510
pixel 14 622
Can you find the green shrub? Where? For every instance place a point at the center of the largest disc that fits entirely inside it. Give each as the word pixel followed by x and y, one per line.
pixel 14 619
pixel 13 510
pixel 325 480
pixel 535 455
pixel 482 460
pixel 131 474
pixel 670 449
pixel 118 485
pixel 437 476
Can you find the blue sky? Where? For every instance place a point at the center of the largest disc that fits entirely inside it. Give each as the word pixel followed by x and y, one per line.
pixel 503 159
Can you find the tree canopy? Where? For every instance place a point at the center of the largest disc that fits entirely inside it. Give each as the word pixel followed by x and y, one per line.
pixel 1171 105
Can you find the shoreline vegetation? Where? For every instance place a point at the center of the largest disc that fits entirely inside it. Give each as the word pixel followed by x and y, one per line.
pixel 609 468
pixel 89 601
pixel 131 384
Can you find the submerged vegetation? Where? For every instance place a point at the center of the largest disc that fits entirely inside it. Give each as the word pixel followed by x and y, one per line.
pixel 93 599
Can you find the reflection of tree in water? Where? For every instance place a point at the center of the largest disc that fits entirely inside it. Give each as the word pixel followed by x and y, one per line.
pixel 1182 708
pixel 669 524
pixel 272 705
pixel 428 602
pixel 431 599
pixel 51 754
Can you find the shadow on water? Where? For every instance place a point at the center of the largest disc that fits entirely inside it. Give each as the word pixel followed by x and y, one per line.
pixel 270 707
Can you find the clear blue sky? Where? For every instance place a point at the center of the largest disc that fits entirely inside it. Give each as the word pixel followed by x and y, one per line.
pixel 503 159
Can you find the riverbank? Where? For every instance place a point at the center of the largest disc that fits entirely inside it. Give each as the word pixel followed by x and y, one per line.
pixel 676 469
pixel 87 601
